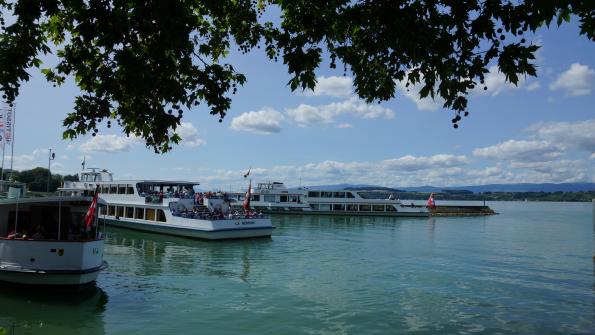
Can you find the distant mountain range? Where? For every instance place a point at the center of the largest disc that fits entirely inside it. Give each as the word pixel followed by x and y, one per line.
pixel 524 187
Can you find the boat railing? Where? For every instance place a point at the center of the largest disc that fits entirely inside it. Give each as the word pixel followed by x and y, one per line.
pixel 218 216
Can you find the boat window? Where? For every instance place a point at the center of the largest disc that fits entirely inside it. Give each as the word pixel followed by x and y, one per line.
pixel 326 194
pixel 160 215
pixel 313 194
pixel 314 206
pixel 352 207
pixel 255 197
pixel 130 212
pixel 339 195
pixel 338 207
pixel 350 195
pixel 120 211
pixel 105 189
pixel 129 189
pixel 269 198
pixel 150 214
pixel 378 208
pixel 365 208
pixel 111 210
pixel 139 213
pixel 390 208
pixel 283 198
pixel 293 198
pixel 325 207
pixel 113 189
pixel 121 189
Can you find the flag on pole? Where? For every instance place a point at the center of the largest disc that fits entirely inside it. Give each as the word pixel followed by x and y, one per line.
pixel 247 197
pixel 247 173
pixel 431 204
pixel 91 211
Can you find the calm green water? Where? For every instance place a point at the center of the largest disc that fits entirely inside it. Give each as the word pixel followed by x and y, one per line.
pixel 528 270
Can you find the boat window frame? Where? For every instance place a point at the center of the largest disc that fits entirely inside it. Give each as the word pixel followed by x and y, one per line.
pixel 352 208
pixel 141 211
pixel 314 194
pixel 161 216
pixel 338 207
pixel 113 188
pixel 376 208
pixel 147 214
pixel 368 206
pixel 129 212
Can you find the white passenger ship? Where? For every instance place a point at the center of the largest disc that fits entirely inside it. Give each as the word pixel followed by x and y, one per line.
pixel 44 240
pixel 274 197
pixel 168 207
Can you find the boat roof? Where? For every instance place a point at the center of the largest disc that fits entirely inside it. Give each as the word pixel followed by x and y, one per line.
pixel 49 199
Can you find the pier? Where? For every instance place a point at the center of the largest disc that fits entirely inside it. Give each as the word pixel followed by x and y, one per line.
pixel 461 211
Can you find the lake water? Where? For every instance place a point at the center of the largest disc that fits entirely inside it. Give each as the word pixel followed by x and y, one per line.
pixel 528 270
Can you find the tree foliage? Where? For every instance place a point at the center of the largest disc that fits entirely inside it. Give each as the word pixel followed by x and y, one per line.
pixel 143 63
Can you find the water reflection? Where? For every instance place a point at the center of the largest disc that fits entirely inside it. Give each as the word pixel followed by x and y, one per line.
pixel 43 310
pixel 152 255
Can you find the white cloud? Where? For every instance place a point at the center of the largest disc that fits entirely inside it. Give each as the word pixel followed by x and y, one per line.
pixel 306 115
pixel 332 86
pixel 577 80
pixel 108 143
pixel 413 163
pixel 264 122
pixel 189 135
pixel 494 80
pixel 579 135
pixel 514 150
pixel 412 93
pixel 344 125
pixel 496 83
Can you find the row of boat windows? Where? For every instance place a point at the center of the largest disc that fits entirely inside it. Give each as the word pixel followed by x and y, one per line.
pixel 316 194
pixel 141 213
pixel 353 207
pixel 117 189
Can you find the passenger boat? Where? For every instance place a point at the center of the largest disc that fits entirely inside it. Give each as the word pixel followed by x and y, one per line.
pixel 274 197
pixel 169 207
pixel 45 240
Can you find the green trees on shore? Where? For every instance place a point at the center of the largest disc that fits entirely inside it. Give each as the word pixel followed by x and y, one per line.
pixel 37 179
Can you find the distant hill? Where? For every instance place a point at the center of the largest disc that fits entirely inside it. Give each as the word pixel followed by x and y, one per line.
pixel 524 187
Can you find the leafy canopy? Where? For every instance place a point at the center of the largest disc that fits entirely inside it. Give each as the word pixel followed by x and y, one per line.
pixel 143 63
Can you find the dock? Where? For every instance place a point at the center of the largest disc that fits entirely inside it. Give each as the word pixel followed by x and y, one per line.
pixel 462 211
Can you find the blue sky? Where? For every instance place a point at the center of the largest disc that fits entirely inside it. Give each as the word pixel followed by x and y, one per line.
pixel 541 131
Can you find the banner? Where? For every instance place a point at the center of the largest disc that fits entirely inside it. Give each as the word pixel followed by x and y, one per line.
pixel 8 117
pixel 2 126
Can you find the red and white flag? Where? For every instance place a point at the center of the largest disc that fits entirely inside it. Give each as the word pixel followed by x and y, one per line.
pixel 91 211
pixel 431 203
pixel 247 197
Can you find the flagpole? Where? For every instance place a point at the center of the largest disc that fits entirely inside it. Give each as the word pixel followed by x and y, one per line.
pixel 14 119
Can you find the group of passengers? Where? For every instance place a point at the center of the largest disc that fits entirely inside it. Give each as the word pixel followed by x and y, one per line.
pixel 73 233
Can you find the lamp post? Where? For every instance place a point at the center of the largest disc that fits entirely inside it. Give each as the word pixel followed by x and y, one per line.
pixel 51 157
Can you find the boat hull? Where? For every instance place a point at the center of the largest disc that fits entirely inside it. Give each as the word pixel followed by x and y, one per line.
pixel 190 232
pixel 344 213
pixel 50 262
pixel 50 277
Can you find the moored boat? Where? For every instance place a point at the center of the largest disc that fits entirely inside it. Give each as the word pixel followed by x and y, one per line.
pixel 47 241
pixel 169 207
pixel 274 197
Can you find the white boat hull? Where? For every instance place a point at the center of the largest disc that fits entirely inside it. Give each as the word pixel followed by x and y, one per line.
pixel 45 262
pixel 50 278
pixel 229 229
